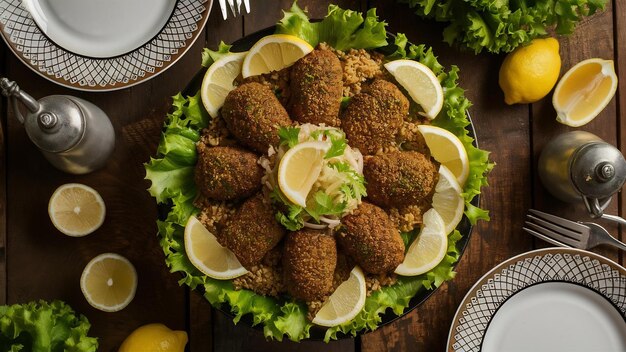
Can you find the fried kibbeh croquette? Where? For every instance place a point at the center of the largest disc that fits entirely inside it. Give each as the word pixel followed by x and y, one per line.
pixel 252 231
pixel 374 117
pixel 316 88
pixel 227 173
pixel 400 178
pixel 309 261
pixel 369 238
pixel 253 115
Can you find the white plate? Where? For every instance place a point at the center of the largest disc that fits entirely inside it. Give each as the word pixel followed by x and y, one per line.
pixel 101 45
pixel 554 299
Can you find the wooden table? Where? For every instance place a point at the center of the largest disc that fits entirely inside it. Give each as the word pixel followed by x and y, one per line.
pixel 36 261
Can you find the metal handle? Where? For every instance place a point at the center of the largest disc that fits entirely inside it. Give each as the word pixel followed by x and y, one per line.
pixel 595 209
pixel 12 91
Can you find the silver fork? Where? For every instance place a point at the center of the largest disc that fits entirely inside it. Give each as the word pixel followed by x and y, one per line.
pixel 567 233
pixel 234 8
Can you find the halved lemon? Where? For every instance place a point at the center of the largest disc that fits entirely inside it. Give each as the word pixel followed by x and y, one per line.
pixel 273 53
pixel 447 200
pixel 76 210
pixel 428 249
pixel 345 303
pixel 208 255
pixel 447 149
pixel 421 84
pixel 218 81
pixel 584 91
pixel 299 168
pixel 109 282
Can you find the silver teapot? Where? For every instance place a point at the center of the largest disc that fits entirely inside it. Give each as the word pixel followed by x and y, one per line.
pixel 73 134
pixel 578 166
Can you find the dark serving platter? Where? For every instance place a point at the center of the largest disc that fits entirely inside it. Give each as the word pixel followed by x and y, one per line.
pixel 317 332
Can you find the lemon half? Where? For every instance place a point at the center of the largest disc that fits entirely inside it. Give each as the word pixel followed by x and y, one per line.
pixel 447 200
pixel 584 91
pixel 447 149
pixel 299 168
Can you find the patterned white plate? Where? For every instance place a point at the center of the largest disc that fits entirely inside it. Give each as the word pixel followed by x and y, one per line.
pixel 545 300
pixel 101 45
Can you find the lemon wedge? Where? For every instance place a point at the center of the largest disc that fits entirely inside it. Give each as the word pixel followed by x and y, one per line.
pixel 76 210
pixel 218 81
pixel 208 255
pixel 273 53
pixel 447 149
pixel 584 91
pixel 421 84
pixel 345 303
pixel 447 199
pixel 299 168
pixel 109 282
pixel 428 249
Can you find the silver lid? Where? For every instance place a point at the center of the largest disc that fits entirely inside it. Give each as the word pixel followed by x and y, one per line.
pixel 57 126
pixel 598 170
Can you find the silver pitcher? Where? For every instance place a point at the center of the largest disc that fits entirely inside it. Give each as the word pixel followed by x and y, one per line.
pixel 73 134
pixel 578 166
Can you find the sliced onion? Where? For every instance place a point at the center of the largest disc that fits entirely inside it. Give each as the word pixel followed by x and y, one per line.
pixel 315 226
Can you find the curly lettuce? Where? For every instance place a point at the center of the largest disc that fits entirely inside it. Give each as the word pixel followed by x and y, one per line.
pixel 501 26
pixel 44 327
pixel 171 173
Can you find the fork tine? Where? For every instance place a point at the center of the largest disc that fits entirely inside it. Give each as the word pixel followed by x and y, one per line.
pixel 554 235
pixel 572 225
pixel 223 8
pixel 559 229
pixel 246 4
pixel 231 3
pixel 238 2
pixel 543 237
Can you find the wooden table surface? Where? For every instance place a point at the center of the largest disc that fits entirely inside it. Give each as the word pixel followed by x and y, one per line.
pixel 37 262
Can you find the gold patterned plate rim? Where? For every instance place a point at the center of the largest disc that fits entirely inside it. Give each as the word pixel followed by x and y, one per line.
pixel 101 74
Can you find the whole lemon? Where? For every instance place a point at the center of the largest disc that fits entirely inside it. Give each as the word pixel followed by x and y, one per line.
pixel 529 72
pixel 154 338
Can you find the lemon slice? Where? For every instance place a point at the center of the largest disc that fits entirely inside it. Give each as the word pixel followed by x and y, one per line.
pixel 345 303
pixel 218 81
pixel 447 199
pixel 273 53
pixel 76 210
pixel 299 169
pixel 584 91
pixel 447 149
pixel 421 84
pixel 109 282
pixel 428 249
pixel 208 255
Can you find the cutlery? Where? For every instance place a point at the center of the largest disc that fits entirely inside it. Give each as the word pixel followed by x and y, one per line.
pixel 235 7
pixel 566 233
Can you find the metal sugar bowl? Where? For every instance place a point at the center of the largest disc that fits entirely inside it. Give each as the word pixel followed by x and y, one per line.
pixel 579 165
pixel 73 134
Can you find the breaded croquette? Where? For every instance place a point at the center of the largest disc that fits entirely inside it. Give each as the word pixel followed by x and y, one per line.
pixel 227 173
pixel 253 115
pixel 371 240
pixel 316 88
pixel 400 178
pixel 252 231
pixel 309 261
pixel 374 117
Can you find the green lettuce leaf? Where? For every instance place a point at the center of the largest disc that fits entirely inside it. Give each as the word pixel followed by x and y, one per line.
pixel 341 29
pixel 209 56
pixel 501 26
pixel 44 327
pixel 171 174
